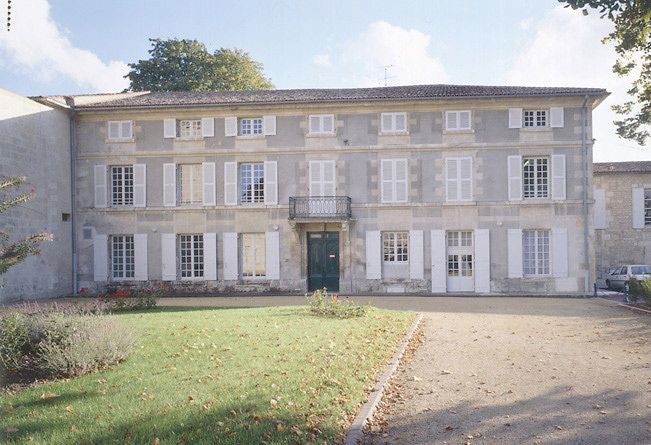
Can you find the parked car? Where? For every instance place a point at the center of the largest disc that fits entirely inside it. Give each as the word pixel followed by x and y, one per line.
pixel 617 278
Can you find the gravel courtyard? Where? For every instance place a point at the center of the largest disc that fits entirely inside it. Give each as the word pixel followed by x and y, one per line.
pixel 522 371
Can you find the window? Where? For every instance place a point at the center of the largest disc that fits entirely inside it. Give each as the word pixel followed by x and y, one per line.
pixel 122 186
pixel 122 257
pixel 251 127
pixel 190 128
pixel 394 122
pixel 254 257
pixel 322 124
pixel 191 255
pixel 457 120
pixel 120 130
pixel 535 119
pixel 647 207
pixel 459 239
pixel 536 252
pixel 458 178
pixel 190 184
pixel 535 176
pixel 252 183
pixel 394 180
pixel 396 247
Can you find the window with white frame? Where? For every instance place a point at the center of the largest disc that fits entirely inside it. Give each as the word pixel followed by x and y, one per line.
pixel 647 207
pixel 535 177
pixel 395 247
pixel 120 130
pixel 122 185
pixel 191 256
pixel 190 184
pixel 322 123
pixel 190 128
pixel 536 252
pixel 254 256
pixel 459 239
pixel 394 180
pixel 457 120
pixel 458 179
pixel 394 122
pixel 535 118
pixel 122 257
pixel 251 127
pixel 252 183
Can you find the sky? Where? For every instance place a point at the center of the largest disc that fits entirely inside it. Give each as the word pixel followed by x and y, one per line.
pixel 82 46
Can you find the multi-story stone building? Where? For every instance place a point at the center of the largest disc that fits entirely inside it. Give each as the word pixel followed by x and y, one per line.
pixel 415 189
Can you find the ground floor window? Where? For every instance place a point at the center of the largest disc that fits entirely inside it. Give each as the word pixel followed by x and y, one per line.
pixel 536 252
pixel 254 256
pixel 122 256
pixel 191 256
pixel 395 247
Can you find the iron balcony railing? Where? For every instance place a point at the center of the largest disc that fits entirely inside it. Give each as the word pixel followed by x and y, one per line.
pixel 319 207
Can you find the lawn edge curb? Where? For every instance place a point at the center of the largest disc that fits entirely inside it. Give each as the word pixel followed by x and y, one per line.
pixel 355 433
pixel 633 308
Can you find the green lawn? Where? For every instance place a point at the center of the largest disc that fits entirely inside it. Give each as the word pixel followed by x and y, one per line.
pixel 217 375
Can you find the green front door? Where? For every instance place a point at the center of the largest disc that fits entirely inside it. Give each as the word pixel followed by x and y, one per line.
pixel 323 261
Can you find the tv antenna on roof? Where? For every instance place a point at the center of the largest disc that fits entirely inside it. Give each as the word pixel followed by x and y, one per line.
pixel 386 76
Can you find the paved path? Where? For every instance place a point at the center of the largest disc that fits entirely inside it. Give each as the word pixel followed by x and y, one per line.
pixel 521 371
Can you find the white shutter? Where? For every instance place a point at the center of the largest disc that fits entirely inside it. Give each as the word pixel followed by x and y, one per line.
pixel 139 185
pixel 329 124
pixel 100 186
pixel 638 208
pixel 316 178
pixel 100 258
pixel 168 256
pixel 452 184
pixel 515 178
pixel 401 182
pixel 439 268
pixel 464 120
pixel 210 256
pixel 127 129
pixel 169 128
pixel 315 125
pixel 169 184
pixel 465 179
pixel 140 256
pixel 600 209
pixel 416 271
pixel 230 183
pixel 558 177
pixel 329 178
pixel 387 180
pixel 515 253
pixel 451 120
pixel 373 255
pixel 482 261
pixel 230 256
pixel 515 117
pixel 230 126
pixel 272 255
pixel 207 127
pixel 401 122
pixel 271 182
pixel 114 130
pixel 559 252
pixel 556 117
pixel 209 184
pixel 269 125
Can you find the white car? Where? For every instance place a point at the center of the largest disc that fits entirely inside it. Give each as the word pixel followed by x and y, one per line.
pixel 617 278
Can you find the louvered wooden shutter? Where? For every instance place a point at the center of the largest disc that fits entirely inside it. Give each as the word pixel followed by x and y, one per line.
pixel 465 179
pixel 387 122
pixel 387 181
pixel 269 125
pixel 451 121
pixel 230 183
pixel 315 125
pixel 638 208
pixel 558 177
pixel 559 252
pixel 168 256
pixel 373 255
pixel 140 256
pixel 464 120
pixel 515 178
pixel 139 185
pixel 515 117
pixel 329 124
pixel 401 182
pixel 169 128
pixel 438 254
pixel 316 183
pixel 169 185
pixel 271 182
pixel 451 179
pixel 207 127
pixel 329 178
pixel 114 130
pixel 600 209
pixel 401 121
pixel 272 252
pixel 209 184
pixel 482 261
pixel 127 129
pixel 100 186
pixel 416 268
pixel 556 117
pixel 230 257
pixel 100 258
pixel 515 253
pixel 210 256
pixel 230 126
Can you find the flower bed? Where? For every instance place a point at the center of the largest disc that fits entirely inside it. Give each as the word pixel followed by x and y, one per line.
pixel 324 303
pixel 130 299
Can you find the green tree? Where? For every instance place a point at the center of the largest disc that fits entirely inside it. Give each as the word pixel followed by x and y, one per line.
pixel 13 253
pixel 186 65
pixel 632 39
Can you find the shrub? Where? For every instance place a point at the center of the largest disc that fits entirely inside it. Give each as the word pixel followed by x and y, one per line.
pixel 640 289
pixel 60 339
pixel 132 299
pixel 331 304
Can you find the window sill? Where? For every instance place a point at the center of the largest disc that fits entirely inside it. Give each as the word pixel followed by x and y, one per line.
pixel 393 133
pixel 536 129
pixel 191 279
pixel 321 135
pixel 120 141
pixel 468 131
pixel 254 278
pixel 250 137
pixel 189 139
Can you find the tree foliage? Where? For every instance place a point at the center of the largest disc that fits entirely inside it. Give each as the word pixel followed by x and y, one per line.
pixel 186 65
pixel 632 39
pixel 13 253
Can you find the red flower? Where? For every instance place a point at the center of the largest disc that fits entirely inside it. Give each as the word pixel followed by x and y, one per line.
pixel 82 290
pixel 346 297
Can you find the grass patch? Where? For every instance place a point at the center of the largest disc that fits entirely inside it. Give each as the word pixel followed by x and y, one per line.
pixel 259 375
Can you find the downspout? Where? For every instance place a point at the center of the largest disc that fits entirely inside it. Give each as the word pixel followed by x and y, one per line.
pixel 73 197
pixel 586 240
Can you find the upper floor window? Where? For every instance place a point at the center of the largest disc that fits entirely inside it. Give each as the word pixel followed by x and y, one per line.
pixel 394 180
pixel 647 207
pixel 251 127
pixel 457 120
pixel 535 175
pixel 122 186
pixel 190 128
pixel 190 184
pixel 120 130
pixel 395 247
pixel 458 179
pixel 393 122
pixel 254 255
pixel 322 124
pixel 191 256
pixel 535 118
pixel 122 257
pixel 252 183
pixel 536 252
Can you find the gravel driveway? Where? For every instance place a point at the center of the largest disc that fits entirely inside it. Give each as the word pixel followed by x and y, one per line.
pixel 523 371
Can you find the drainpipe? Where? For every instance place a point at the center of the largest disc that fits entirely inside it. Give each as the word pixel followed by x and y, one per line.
pixel 73 198
pixel 586 240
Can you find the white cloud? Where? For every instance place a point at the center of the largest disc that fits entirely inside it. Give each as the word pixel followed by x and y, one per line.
pixel 526 23
pixel 405 51
pixel 567 51
pixel 322 60
pixel 36 46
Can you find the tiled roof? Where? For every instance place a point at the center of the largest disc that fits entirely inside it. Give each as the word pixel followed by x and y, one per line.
pixel 622 167
pixel 413 92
